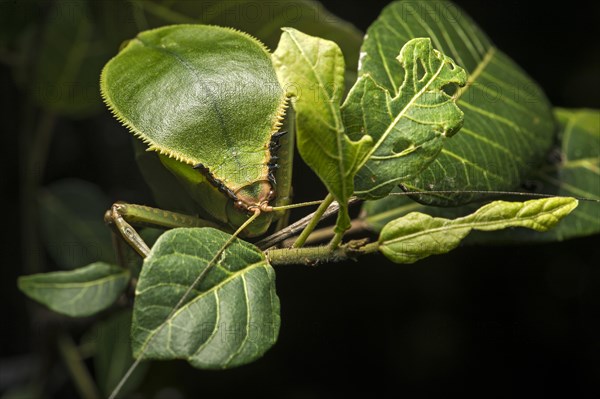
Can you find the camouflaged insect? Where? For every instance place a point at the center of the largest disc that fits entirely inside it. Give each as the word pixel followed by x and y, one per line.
pixel 208 101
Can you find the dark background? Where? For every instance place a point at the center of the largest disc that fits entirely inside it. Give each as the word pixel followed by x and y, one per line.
pixel 494 321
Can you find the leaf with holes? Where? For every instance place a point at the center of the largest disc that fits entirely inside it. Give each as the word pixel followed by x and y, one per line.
pixel 408 124
pixel 230 318
pixel 508 124
pixel 312 70
pixel 417 236
pixel 77 293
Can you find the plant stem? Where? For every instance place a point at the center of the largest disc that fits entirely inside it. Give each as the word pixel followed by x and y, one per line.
pixel 295 227
pixel 336 240
pixel 81 377
pixel 313 255
pixel 327 233
pixel 313 222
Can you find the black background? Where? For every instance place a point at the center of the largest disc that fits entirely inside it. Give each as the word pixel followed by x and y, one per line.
pixel 493 321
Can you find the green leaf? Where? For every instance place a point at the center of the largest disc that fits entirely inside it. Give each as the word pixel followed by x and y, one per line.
pixel 72 227
pixel 201 95
pixel 230 318
pixel 577 173
pixel 410 123
pixel 77 293
pixel 113 357
pixel 312 71
pixel 261 19
pixel 417 236
pixel 508 124
pixel 572 170
pixel 69 58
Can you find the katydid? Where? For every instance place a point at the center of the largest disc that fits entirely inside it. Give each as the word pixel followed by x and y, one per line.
pixel 222 142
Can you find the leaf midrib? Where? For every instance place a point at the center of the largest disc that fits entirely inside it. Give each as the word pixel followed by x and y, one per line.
pixel 483 63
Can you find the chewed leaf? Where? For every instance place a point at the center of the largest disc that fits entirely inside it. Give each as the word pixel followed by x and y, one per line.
pixel 409 126
pixel 417 235
pixel 312 70
pixel 508 125
pixel 201 95
pixel 230 318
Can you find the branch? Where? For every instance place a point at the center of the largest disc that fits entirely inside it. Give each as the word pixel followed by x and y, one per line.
pixel 312 256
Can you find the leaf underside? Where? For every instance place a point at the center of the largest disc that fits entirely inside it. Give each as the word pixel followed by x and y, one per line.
pixel 231 318
pixel 200 94
pixel 312 71
pixel 508 123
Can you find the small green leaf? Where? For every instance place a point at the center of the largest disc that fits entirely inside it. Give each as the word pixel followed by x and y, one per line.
pixel 77 293
pixel 72 227
pixel 230 318
pixel 113 357
pixel 508 124
pixel 311 69
pixel 410 124
pixel 417 236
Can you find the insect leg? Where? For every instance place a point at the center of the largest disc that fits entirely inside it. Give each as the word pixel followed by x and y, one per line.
pixel 122 216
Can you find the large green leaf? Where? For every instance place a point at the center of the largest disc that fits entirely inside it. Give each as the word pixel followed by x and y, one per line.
pixel 72 227
pixel 312 71
pixel 261 19
pixel 416 235
pixel 572 171
pixel 409 122
pixel 201 95
pixel 77 293
pixel 508 124
pixel 231 317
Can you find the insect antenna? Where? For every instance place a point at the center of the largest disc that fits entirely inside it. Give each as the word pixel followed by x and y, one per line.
pixel 408 193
